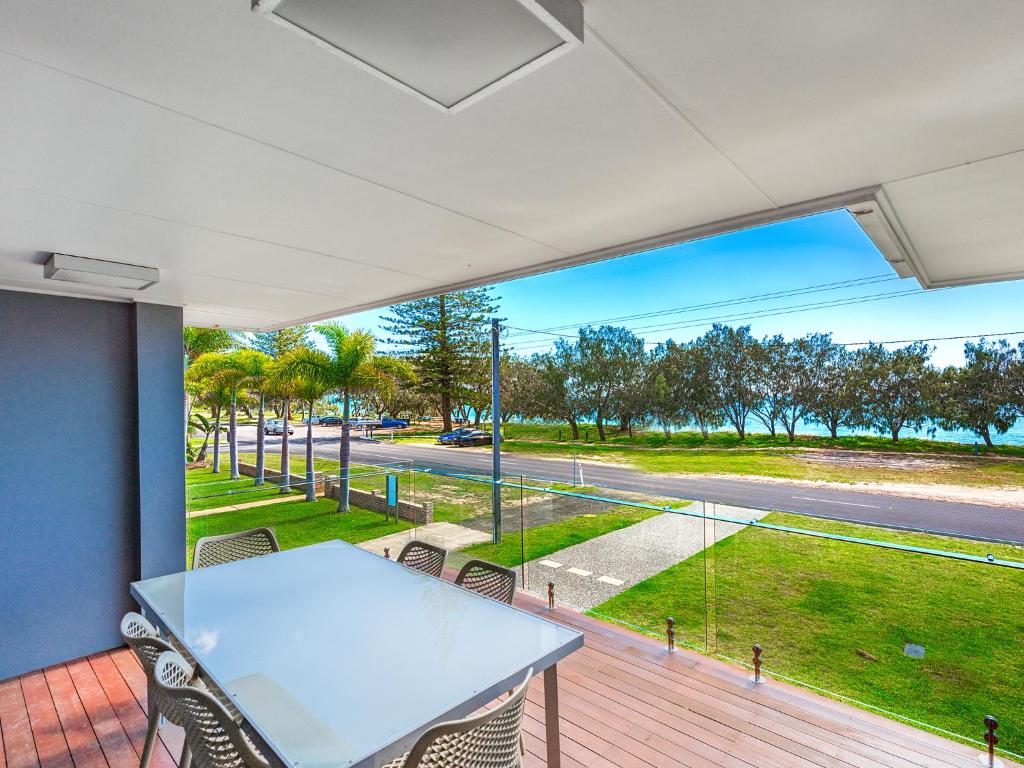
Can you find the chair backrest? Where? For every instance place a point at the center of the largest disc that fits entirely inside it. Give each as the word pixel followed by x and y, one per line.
pixel 490 739
pixel 214 550
pixel 141 636
pixel 215 739
pixel 489 579
pixel 423 557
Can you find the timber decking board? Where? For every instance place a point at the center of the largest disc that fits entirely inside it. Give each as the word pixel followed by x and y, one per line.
pixel 624 701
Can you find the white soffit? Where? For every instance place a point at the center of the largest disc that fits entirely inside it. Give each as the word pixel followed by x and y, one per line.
pixel 271 183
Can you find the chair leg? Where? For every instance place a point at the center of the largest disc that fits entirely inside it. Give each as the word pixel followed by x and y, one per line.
pixel 147 749
pixel 186 756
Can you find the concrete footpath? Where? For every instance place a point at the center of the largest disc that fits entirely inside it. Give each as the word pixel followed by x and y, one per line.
pixel 587 574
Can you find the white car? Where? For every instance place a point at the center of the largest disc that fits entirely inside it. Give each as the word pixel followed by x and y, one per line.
pixel 276 427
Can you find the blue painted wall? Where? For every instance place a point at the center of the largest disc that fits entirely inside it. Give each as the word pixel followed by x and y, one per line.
pixel 80 381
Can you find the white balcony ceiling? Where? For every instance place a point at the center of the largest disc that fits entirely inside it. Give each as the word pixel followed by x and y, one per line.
pixel 271 182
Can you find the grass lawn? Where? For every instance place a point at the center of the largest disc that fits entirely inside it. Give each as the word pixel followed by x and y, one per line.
pixel 764 456
pixel 545 539
pixel 296 524
pixel 837 615
pixel 206 490
pixel 453 499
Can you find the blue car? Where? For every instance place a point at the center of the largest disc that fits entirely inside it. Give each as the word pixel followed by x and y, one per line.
pixel 449 438
pixel 388 423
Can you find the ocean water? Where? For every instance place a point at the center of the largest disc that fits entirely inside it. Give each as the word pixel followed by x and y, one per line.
pixel 1015 436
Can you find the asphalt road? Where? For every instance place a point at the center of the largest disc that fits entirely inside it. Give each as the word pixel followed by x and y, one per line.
pixel 973 520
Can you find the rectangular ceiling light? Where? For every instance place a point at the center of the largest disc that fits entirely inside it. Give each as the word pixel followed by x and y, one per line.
pixel 106 274
pixel 448 53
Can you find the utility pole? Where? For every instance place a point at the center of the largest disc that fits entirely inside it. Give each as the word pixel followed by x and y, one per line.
pixel 496 429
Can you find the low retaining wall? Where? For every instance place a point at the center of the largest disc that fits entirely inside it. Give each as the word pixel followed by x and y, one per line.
pixel 419 514
pixel 299 481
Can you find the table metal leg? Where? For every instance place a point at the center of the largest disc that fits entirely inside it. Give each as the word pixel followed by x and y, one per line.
pixel 551 716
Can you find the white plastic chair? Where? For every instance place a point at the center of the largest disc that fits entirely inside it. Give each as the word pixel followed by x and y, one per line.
pixel 212 735
pixel 490 739
pixel 229 547
pixel 142 638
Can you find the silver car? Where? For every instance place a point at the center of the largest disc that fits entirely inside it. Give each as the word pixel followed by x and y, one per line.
pixel 276 427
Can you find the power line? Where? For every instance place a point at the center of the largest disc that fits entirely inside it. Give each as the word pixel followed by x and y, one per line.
pixel 759 314
pixel 787 293
pixel 1001 334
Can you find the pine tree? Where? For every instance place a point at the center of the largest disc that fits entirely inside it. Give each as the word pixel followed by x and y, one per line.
pixel 276 343
pixel 447 338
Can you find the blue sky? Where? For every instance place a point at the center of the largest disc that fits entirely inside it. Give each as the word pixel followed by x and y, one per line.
pixel 789 256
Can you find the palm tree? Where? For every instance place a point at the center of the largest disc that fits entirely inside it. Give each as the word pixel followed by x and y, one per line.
pixel 351 366
pixel 227 370
pixel 196 342
pixel 254 370
pixel 310 391
pixel 208 391
pixel 284 385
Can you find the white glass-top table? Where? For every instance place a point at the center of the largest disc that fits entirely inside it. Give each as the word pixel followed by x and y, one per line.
pixel 338 657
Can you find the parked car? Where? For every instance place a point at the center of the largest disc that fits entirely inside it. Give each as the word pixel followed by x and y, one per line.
pixel 276 427
pixel 449 438
pixel 389 423
pixel 473 437
pixel 331 421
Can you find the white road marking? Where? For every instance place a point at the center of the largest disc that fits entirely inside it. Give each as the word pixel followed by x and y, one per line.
pixel 550 564
pixel 579 572
pixel 610 580
pixel 844 503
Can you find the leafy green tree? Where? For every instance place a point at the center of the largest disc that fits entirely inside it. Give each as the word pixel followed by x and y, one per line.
pixel 235 370
pixel 773 370
pixel 802 369
pixel 351 366
pixel 196 342
pixel 731 356
pixel 834 397
pixel 276 344
pixel 199 341
pixel 898 387
pixel 206 390
pixel 602 366
pixel 520 379
pixel 253 370
pixel 448 339
pixel 555 397
pixel 978 397
pixel 310 390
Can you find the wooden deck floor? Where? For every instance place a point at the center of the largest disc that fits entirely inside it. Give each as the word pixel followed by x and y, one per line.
pixel 625 703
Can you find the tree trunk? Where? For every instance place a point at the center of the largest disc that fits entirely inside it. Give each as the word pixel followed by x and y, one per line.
pixel 987 434
pixel 575 429
pixel 345 454
pixel 600 425
pixel 216 439
pixel 310 474
pixel 667 431
pixel 261 424
pixel 446 412
pixel 895 434
pixel 201 456
pixel 233 437
pixel 286 467
pixel 791 431
pixel 833 428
